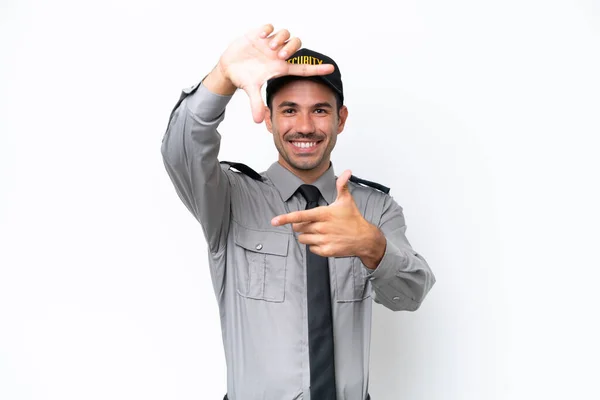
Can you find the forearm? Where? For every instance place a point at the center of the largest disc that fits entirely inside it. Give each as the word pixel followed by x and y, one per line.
pixel 373 247
pixel 190 150
pixel 217 83
pixel 402 278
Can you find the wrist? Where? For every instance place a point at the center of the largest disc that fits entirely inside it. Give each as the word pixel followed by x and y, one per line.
pixel 217 82
pixel 374 247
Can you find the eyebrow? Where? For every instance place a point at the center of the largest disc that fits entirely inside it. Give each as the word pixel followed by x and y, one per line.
pixel 292 104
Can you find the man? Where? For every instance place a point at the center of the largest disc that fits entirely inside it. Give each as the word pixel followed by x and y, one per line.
pixel 295 253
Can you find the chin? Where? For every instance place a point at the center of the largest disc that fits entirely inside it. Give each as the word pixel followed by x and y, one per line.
pixel 305 166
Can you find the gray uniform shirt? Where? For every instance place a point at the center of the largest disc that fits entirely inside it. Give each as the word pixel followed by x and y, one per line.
pixel 258 270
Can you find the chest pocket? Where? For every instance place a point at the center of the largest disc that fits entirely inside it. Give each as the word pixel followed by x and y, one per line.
pixel 261 258
pixel 351 279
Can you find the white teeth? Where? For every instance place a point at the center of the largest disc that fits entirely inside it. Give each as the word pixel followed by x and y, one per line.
pixel 304 145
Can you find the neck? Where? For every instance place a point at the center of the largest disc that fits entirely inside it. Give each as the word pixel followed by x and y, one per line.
pixel 306 175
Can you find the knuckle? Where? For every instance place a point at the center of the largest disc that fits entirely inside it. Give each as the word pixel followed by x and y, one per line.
pixel 318 250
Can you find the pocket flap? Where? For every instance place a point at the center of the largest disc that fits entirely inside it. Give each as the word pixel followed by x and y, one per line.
pixel 267 242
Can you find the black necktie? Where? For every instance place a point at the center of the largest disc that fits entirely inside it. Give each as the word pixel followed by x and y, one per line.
pixel 320 325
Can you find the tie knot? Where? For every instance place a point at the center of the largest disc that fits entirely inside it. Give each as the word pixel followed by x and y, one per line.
pixel 310 193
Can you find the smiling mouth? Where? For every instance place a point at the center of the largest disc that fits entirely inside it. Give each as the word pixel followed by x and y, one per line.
pixel 304 144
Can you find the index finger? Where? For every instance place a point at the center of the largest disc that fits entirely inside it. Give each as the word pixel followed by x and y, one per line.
pixel 310 70
pixel 316 214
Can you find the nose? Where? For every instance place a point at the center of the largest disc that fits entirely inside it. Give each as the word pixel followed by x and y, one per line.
pixel 305 124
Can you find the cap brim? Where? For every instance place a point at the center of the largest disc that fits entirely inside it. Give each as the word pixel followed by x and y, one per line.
pixel 276 83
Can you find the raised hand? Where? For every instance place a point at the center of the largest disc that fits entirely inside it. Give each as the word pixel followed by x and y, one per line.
pixel 339 229
pixel 260 55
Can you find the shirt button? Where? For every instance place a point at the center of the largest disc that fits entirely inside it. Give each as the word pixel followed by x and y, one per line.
pixel 259 246
pixel 396 298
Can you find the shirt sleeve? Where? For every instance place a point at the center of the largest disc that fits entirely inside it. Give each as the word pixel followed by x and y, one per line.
pixel 403 277
pixel 190 149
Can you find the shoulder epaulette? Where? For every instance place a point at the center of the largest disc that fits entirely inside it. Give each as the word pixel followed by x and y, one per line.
pixel 243 168
pixel 374 185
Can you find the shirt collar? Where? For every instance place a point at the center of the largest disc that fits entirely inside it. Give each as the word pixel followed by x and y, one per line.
pixel 287 183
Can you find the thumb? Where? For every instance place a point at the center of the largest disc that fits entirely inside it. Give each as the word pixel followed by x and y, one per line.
pixel 256 103
pixel 342 185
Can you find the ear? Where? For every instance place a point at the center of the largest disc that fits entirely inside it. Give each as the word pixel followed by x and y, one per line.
pixel 342 116
pixel 268 122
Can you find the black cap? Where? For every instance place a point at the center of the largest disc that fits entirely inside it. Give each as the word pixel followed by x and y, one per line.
pixel 306 56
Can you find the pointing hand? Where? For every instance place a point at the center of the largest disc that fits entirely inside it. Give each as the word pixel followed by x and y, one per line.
pixel 336 230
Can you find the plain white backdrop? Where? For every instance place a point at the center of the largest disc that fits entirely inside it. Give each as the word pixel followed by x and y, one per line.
pixel 482 117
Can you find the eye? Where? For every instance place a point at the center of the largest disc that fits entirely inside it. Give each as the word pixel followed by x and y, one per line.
pixel 288 111
pixel 320 111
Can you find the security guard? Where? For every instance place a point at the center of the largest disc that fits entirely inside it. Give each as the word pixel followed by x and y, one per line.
pixel 296 252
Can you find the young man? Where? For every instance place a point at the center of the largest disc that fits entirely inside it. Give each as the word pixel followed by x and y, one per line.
pixel 295 253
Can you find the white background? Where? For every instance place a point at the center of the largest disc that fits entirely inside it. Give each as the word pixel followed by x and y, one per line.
pixel 481 116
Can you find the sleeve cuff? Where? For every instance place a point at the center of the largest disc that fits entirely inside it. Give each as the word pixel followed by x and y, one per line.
pixel 389 264
pixel 206 105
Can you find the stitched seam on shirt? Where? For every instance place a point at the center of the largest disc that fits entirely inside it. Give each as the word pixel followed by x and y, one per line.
pixel 219 251
pixel 223 246
pixel 362 282
pixel 354 296
pixel 264 282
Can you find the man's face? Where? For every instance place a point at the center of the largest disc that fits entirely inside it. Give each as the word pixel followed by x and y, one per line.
pixel 305 124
